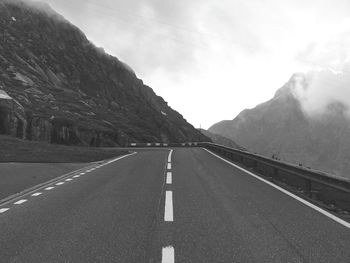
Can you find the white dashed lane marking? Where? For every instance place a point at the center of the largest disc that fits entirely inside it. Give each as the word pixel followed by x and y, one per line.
pixel 168 255
pixel 3 210
pixel 169 178
pixel 70 178
pixel 169 156
pixel 20 201
pixel 168 213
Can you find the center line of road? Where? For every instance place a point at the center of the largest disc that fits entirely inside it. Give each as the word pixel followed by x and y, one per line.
pixel 168 255
pixel 169 166
pixel 76 176
pixel 49 188
pixel 36 194
pixel 168 212
pixel 20 201
pixel 60 183
pixel 3 210
pixel 170 154
pixel 169 178
pixel 69 179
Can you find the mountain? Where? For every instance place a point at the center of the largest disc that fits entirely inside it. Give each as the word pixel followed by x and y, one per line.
pixel 280 128
pixel 56 86
pixel 219 139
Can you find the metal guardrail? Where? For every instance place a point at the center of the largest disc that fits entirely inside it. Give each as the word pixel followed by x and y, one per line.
pixel 157 144
pixel 333 193
pixel 329 191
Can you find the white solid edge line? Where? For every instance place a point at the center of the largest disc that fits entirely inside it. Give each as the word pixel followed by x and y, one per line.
pixel 169 178
pixel 168 254
pixel 3 210
pixel 168 211
pixel 169 166
pixel 20 201
pixel 36 194
pixel 318 209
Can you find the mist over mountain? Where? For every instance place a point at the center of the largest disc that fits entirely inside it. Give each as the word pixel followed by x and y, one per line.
pixel 56 86
pixel 219 139
pixel 295 127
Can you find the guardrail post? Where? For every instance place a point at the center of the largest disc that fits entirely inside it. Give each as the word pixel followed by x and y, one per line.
pixel 274 174
pixel 232 156
pixel 254 163
pixel 308 188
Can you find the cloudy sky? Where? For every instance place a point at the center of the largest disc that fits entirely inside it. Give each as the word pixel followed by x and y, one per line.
pixel 211 59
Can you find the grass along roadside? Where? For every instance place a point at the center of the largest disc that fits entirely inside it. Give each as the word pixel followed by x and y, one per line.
pixel 16 150
pixel 24 164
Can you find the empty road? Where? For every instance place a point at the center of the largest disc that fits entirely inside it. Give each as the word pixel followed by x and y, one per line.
pixel 163 205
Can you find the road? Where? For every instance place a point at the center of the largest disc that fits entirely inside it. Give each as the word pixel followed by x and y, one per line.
pixel 15 177
pixel 157 205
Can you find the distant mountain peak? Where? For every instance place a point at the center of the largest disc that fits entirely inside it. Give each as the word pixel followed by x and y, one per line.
pixel 295 85
pixel 282 127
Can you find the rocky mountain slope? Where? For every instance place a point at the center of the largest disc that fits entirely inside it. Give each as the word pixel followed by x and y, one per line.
pixel 57 86
pixel 280 128
pixel 219 139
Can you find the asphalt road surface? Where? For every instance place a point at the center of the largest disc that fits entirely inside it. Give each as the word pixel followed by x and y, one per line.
pixel 158 205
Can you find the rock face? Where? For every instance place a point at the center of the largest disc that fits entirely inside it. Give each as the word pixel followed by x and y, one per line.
pixel 63 89
pixel 12 116
pixel 279 128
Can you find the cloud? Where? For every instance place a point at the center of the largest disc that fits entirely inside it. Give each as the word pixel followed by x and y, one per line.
pixel 148 35
pixel 327 82
pixel 229 54
pixel 320 91
pixel 332 53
